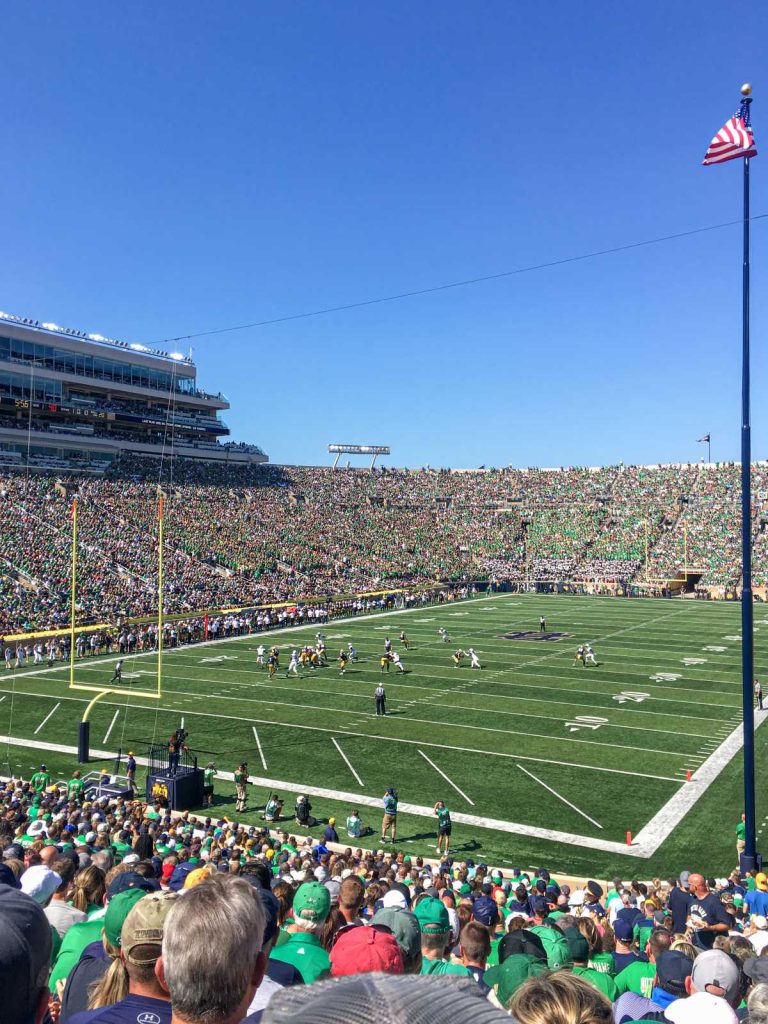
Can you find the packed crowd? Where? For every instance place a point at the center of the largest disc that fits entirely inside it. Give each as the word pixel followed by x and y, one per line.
pixel 248 535
pixel 113 911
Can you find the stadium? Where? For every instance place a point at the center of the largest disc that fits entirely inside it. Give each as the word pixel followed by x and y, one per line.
pixel 379 638
pixel 642 562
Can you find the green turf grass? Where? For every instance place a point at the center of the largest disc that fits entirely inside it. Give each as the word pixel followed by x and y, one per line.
pixel 480 728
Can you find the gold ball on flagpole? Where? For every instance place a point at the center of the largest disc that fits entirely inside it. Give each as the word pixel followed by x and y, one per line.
pixel 746 89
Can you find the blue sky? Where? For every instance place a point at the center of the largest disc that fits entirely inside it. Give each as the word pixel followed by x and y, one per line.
pixel 179 167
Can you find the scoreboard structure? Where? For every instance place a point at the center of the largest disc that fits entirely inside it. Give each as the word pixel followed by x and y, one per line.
pixel 373 450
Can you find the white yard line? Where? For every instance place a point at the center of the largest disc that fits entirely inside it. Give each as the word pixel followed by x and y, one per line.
pixel 450 783
pixel 258 744
pixel 50 713
pixel 559 796
pixel 644 846
pixel 662 824
pixel 394 739
pixel 347 761
pixel 111 725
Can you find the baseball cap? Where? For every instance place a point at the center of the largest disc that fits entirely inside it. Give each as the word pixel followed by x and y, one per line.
pixel 143 926
pixel 507 977
pixel 359 949
pixel 25 954
pixel 522 941
pixel 756 968
pixel 394 898
pixel 385 998
pixel 131 880
pixel 701 1008
pixel 759 921
pixel 180 874
pixel 118 909
pixel 623 930
pixel 312 902
pixel 595 888
pixel 761 881
pixel 485 911
pixel 432 915
pixel 7 877
pixel 578 946
pixel 40 883
pixel 672 968
pixel 716 968
pixel 404 926
pixel 539 905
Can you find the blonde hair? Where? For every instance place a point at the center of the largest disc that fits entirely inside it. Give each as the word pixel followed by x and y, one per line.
pixel 685 947
pixel 88 888
pixel 112 986
pixel 559 998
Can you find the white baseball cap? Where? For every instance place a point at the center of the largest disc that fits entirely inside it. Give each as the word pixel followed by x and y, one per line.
pixel 700 1008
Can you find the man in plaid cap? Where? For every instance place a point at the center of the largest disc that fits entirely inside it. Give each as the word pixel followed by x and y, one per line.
pixel 311 907
pixel 140 941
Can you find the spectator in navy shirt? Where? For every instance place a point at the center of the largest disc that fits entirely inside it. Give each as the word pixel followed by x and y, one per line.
pixel 520 904
pixel 331 835
pixel 680 902
pixel 708 916
pixel 624 954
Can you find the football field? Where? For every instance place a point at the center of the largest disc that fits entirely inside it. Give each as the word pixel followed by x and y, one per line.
pixel 541 760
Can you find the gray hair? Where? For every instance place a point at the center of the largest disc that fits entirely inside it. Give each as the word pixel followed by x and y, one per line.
pixel 757 1004
pixel 308 927
pixel 211 942
pixel 103 859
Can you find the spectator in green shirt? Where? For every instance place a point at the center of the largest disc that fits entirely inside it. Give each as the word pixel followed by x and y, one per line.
pixel 311 907
pixel 41 780
pixel 435 927
pixel 579 950
pixel 639 977
pixel 75 786
pixel 443 827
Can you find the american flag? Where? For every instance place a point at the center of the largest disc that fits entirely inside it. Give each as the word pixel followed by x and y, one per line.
pixel 734 139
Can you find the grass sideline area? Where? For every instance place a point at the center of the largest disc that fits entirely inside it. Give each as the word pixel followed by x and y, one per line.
pixel 532 740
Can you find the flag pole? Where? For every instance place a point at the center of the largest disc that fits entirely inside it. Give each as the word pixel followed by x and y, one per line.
pixel 747 655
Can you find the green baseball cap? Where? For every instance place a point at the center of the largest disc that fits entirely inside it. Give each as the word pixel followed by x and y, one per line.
pixel 432 915
pixel 508 976
pixel 405 928
pixel 312 902
pixel 118 909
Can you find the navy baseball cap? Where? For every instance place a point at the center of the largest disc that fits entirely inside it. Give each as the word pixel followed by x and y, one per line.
pixel 131 880
pixel 485 911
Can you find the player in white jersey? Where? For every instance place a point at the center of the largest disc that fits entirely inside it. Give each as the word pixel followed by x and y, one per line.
pixel 293 664
pixel 397 662
pixel 38 660
pixel 589 655
pixel 474 660
pixel 444 635
pixel 260 652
